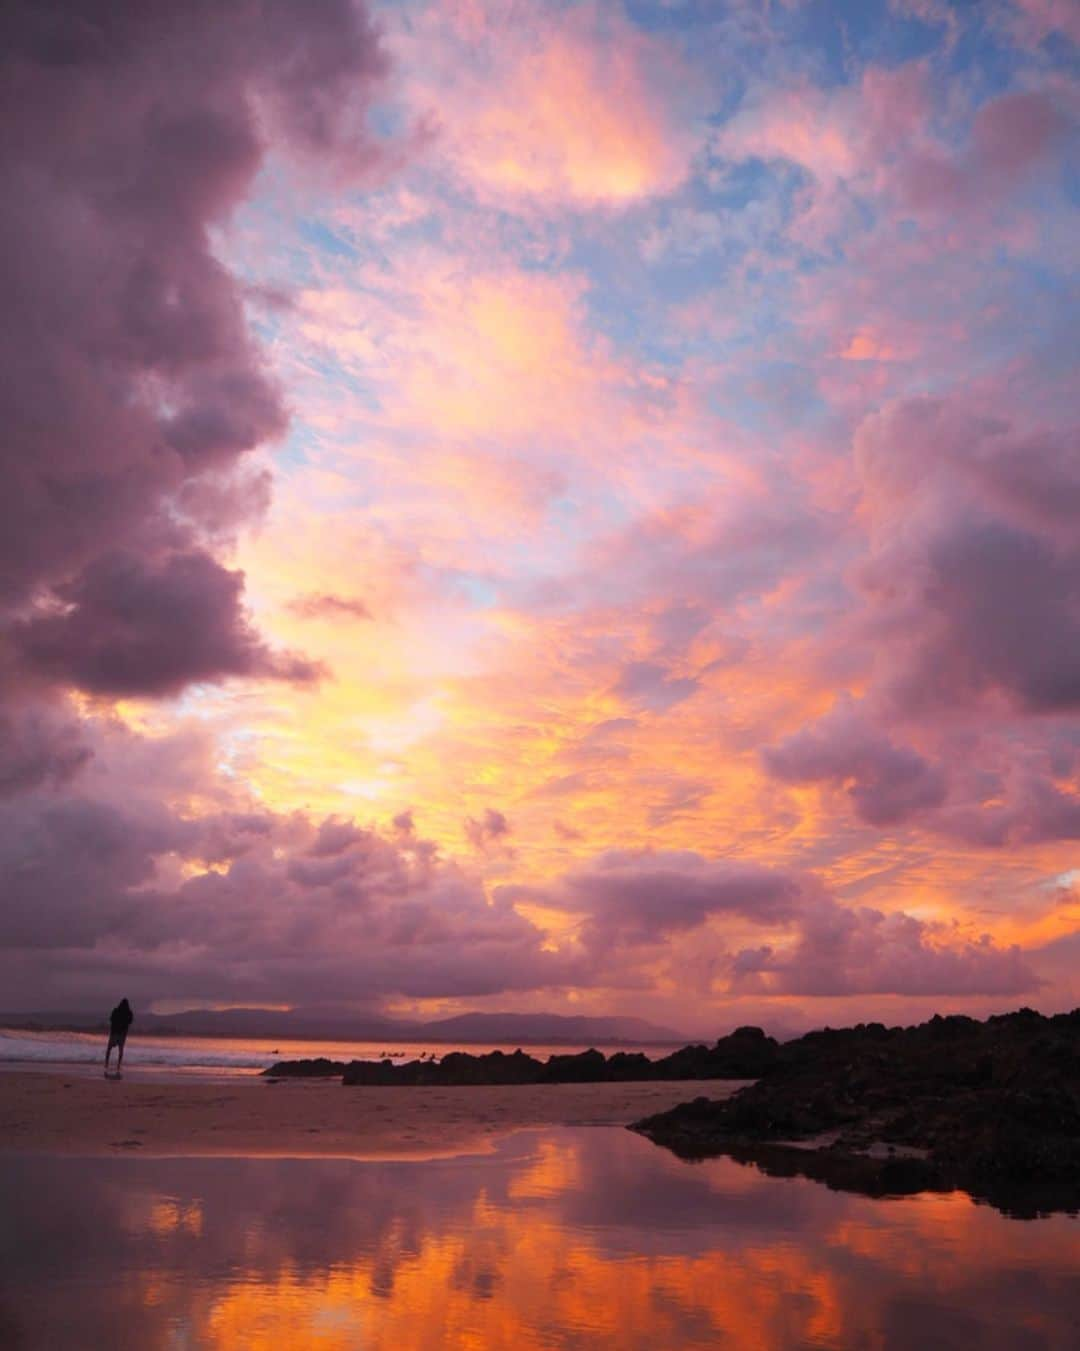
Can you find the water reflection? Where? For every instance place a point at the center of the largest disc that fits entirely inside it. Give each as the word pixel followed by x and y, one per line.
pixel 583 1238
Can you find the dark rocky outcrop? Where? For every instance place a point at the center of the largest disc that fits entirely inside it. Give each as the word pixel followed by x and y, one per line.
pixel 456 1068
pixel 305 1069
pixel 745 1054
pixel 992 1108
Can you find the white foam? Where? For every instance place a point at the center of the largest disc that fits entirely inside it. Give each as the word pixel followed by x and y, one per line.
pixel 81 1048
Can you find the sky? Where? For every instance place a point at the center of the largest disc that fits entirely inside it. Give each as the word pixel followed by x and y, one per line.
pixel 513 504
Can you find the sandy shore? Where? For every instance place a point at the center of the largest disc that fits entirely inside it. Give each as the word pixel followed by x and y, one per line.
pixel 59 1114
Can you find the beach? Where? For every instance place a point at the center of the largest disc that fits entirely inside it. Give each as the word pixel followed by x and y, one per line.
pixel 72 1114
pixel 249 1214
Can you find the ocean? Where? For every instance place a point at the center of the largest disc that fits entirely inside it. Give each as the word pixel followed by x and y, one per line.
pixel 227 1057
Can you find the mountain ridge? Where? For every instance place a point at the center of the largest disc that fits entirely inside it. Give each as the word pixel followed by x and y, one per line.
pixel 319 1025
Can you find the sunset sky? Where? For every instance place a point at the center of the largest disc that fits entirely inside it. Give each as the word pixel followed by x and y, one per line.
pixel 512 504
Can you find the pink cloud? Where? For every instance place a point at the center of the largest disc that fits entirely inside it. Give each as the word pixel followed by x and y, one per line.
pixel 639 897
pixel 834 134
pixel 555 106
pixel 1042 17
pixel 1011 138
pixel 859 951
pixel 886 783
pixel 39 747
pixel 293 910
pixel 889 142
pixel 969 571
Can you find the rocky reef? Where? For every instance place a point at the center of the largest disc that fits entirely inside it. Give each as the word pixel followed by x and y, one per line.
pixel 990 1107
pixel 746 1054
pixel 320 1068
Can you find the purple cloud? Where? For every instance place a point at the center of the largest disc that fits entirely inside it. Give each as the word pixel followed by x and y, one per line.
pixel 642 896
pixel 859 951
pixel 885 782
pixel 1012 138
pixel 648 684
pixel 38 749
pixel 132 387
pixel 137 626
pixel 974 573
pixel 489 832
pixel 293 909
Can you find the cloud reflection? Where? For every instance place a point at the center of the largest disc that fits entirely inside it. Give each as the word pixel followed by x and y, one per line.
pixel 569 1238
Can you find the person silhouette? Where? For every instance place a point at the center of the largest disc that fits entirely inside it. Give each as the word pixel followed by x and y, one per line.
pixel 119 1021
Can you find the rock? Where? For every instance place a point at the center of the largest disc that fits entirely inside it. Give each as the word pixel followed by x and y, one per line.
pixel 995 1106
pixel 745 1054
pixel 305 1069
pixel 456 1068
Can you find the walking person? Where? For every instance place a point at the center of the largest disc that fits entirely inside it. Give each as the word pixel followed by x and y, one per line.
pixel 120 1020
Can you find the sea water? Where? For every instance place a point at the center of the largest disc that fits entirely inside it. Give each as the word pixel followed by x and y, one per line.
pixel 582 1238
pixel 218 1057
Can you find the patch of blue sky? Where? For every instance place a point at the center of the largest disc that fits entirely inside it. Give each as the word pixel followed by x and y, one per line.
pixel 388 121
pixel 319 235
pixel 643 266
pixel 1070 176
pixel 892 38
pixel 985 56
pixel 298 449
pixel 326 369
pixel 602 507
pixel 679 17
pixel 843 36
pixel 1034 312
pixel 772 396
pixel 480 591
pixel 265 324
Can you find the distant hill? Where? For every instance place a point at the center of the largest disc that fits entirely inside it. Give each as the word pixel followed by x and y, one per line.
pixel 330 1025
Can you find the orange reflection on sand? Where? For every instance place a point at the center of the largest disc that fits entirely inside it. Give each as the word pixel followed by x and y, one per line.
pixel 169 1217
pixel 574 1240
pixel 513 1280
pixel 514 1277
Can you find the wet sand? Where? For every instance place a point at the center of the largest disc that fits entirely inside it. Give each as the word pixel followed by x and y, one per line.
pixel 68 1114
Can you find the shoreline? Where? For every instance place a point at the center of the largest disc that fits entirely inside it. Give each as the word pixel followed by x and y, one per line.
pixel 63 1113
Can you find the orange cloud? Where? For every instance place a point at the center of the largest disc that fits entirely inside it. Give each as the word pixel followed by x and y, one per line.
pixel 868 346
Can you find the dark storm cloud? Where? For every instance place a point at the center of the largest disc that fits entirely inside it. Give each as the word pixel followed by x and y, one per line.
pixel 131 385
